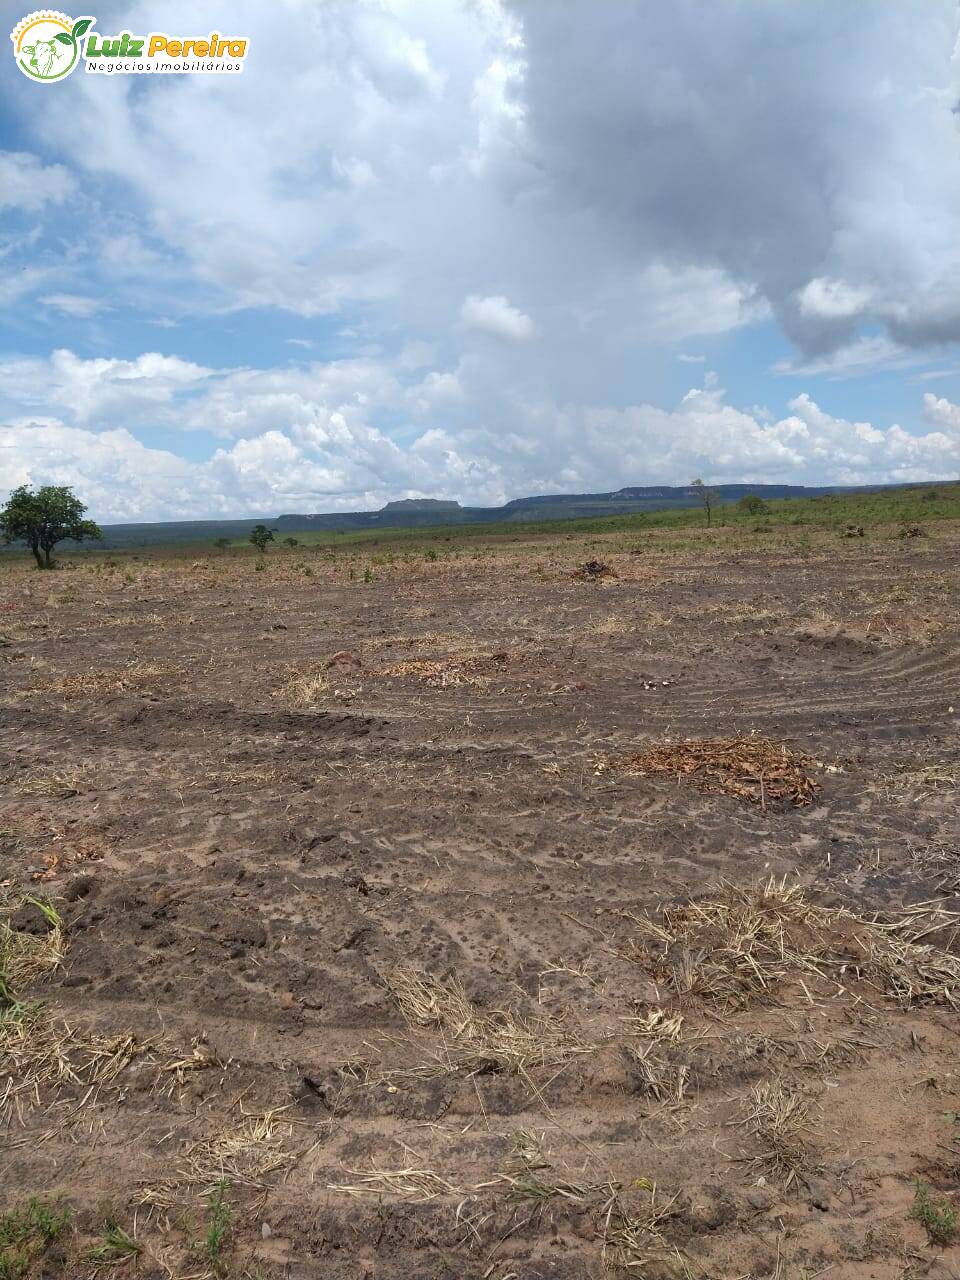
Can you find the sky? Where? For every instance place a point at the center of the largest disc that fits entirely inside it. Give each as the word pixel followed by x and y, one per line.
pixel 484 249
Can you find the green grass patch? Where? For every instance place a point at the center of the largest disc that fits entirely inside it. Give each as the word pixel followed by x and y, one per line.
pixel 115 1248
pixel 218 1228
pixel 25 1233
pixel 938 1217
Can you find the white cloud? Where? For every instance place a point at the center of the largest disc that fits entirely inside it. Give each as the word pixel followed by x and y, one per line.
pixel 833 299
pixel 27 183
pixel 74 305
pixel 517 228
pixel 941 411
pixel 496 317
pixel 307 440
pixel 98 390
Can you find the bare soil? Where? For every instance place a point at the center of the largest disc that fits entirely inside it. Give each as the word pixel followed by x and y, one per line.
pixel 369 917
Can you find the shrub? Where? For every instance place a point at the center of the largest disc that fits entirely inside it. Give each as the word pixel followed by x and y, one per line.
pixel 260 535
pixel 751 505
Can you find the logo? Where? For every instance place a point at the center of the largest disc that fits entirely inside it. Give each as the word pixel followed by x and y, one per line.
pixel 46 45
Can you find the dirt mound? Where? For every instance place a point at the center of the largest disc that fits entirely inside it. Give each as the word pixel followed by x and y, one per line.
pixel 595 571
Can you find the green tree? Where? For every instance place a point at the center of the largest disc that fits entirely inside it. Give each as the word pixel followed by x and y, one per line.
pixel 43 518
pixel 221 543
pixel 260 536
pixel 292 542
pixel 751 505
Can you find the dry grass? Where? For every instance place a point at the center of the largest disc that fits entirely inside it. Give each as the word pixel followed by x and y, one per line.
pixel 894 627
pixel 305 690
pixel 924 780
pixel 100 684
pixel 478 1041
pixel 768 942
pixel 141 620
pixel 778 1119
pixel 908 968
pixel 905 619
pixel 42 1055
pixel 438 673
pixel 749 768
pixel 660 1078
pixel 61 781
pixel 656 1024
pixel 634 1240
pixel 27 957
pixel 529 1177
pixel 610 625
pixel 417 1185
pixel 744 611
pixel 243 1153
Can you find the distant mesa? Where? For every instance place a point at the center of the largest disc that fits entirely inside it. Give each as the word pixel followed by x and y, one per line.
pixel 423 512
pixel 421 504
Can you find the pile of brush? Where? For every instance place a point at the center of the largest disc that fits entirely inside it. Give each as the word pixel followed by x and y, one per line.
pixel 750 768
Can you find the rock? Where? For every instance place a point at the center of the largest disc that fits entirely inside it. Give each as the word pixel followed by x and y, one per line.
pixel 819 1195
pixel 758 1198
pixel 345 659
pixel 608 1072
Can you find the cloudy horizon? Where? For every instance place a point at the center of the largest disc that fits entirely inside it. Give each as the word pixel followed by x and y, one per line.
pixel 485 250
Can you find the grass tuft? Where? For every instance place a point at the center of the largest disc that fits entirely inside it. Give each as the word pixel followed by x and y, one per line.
pixel 25 1233
pixel 498 1040
pixel 116 1247
pixel 220 1219
pixel 937 1217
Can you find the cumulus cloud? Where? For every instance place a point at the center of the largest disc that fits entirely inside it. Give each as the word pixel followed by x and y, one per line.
pixel 938 410
pixel 514 228
pixel 307 439
pixel 97 390
pixel 784 145
pixel 496 317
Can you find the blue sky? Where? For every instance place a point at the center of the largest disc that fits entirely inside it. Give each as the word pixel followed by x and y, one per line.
pixel 484 249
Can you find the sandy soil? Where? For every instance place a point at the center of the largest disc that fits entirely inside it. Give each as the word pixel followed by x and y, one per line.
pixel 400 949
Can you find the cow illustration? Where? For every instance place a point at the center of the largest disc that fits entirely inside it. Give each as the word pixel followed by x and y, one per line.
pixel 45 56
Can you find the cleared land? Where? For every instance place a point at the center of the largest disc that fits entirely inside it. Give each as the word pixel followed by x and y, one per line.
pixel 443 908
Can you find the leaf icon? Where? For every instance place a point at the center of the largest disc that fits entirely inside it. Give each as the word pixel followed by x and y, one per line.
pixel 81 26
pixel 63 37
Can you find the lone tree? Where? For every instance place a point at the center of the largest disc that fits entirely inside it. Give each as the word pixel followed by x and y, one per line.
pixel 44 518
pixel 707 497
pixel 751 505
pixel 260 536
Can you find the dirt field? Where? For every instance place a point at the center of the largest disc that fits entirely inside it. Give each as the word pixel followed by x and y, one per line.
pixel 561 924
